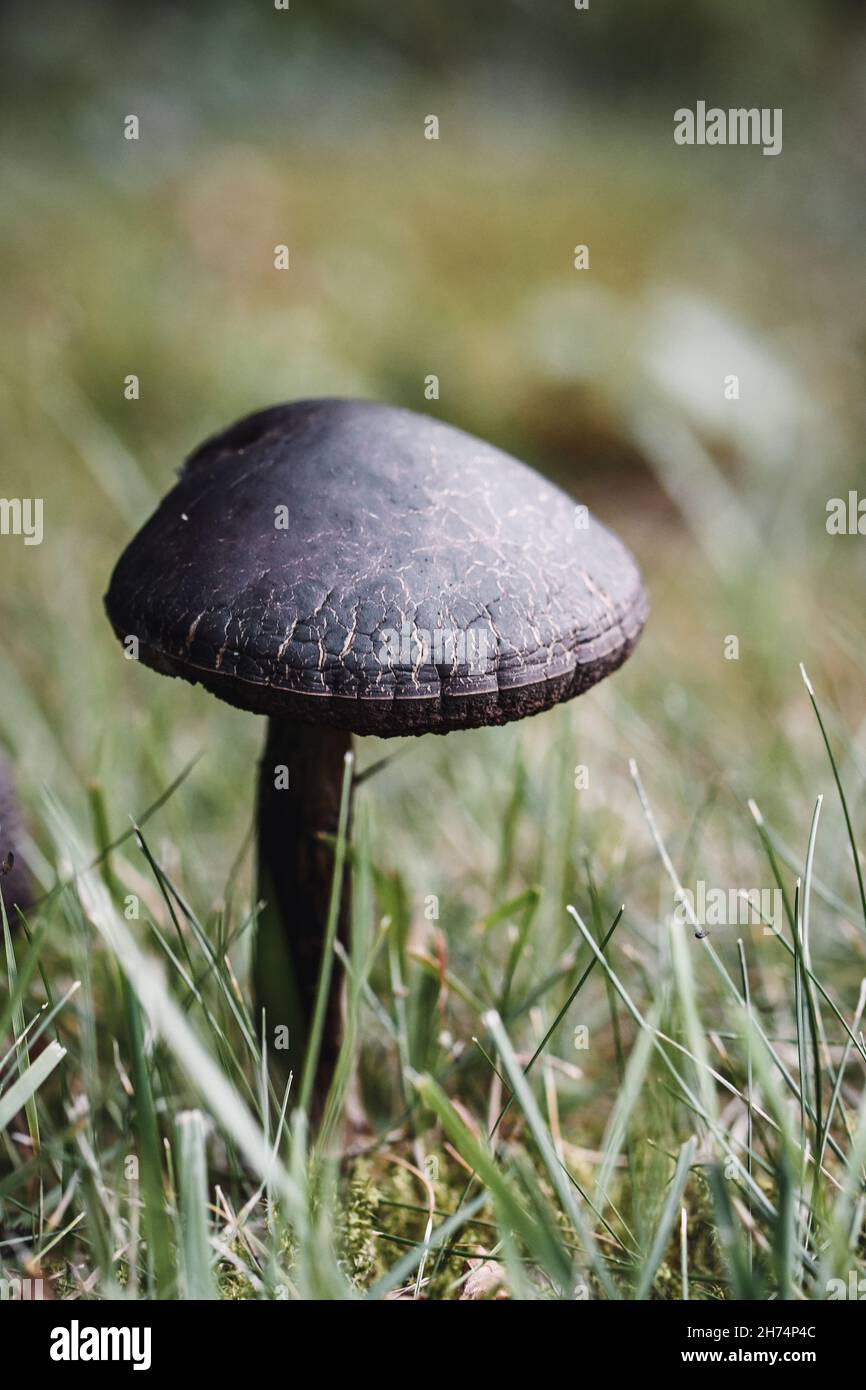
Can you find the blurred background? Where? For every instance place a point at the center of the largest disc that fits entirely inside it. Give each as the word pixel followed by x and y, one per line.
pixel 454 257
pixel 411 257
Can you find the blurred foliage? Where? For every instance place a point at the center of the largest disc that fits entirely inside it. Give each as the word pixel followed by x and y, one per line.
pixel 452 257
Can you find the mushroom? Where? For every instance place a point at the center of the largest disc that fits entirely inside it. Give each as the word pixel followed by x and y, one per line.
pixel 16 885
pixel 347 567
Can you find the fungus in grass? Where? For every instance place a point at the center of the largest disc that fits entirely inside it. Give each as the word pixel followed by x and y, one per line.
pixel 16 885
pixel 349 568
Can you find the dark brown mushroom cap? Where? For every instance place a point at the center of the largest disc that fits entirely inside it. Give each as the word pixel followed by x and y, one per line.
pixel 354 564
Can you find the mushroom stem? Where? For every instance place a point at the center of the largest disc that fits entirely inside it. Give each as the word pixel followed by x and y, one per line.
pixel 300 781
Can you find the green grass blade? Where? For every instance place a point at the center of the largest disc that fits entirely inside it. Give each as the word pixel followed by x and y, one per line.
pixel 314 1042
pixel 22 1091
pixel 666 1220
pixel 511 1209
pixel 541 1134
pixel 193 1216
pixel 852 840
pixel 22 1052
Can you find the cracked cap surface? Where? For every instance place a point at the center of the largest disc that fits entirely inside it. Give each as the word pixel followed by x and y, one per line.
pixel 355 564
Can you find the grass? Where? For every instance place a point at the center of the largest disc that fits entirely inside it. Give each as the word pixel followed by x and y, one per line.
pixel 711 1137
pixel 566 1093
